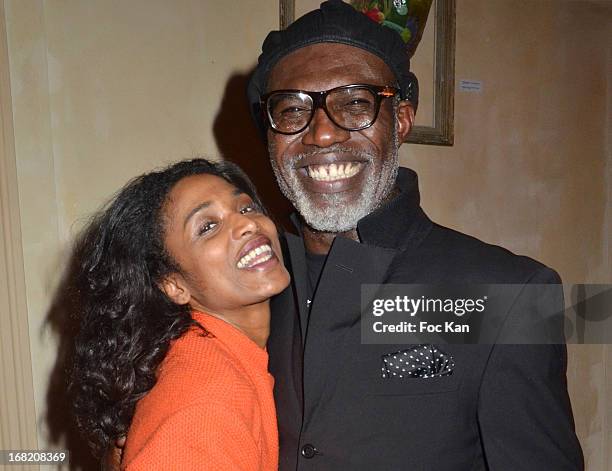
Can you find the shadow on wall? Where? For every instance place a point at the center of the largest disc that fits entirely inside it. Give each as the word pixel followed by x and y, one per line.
pixel 63 319
pixel 239 141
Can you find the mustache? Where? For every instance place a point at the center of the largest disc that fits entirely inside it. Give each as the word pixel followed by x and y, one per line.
pixel 293 159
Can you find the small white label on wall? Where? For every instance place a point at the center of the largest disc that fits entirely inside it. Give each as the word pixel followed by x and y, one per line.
pixel 474 86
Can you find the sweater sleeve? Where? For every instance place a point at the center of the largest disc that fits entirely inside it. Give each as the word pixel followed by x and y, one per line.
pixel 209 436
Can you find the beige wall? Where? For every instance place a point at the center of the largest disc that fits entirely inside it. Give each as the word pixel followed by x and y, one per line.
pixel 103 90
pixel 17 417
pixel 531 162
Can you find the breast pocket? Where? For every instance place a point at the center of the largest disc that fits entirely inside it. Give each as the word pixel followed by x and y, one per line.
pixel 377 371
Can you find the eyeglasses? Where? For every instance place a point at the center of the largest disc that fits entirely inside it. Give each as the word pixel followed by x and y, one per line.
pixel 350 107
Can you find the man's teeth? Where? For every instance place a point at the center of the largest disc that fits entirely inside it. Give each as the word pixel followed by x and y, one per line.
pixel 258 255
pixel 333 172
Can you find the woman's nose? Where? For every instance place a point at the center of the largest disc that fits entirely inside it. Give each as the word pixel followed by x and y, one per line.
pixel 243 224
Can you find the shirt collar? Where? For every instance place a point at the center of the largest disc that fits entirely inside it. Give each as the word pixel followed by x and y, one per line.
pixel 394 224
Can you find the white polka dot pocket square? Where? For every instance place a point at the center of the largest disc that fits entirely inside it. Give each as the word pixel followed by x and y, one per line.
pixel 420 361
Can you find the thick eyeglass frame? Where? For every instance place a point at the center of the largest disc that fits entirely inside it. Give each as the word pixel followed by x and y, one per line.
pixel 319 99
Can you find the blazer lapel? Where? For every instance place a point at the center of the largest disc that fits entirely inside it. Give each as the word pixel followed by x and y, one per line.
pixel 298 270
pixel 336 308
pixel 285 341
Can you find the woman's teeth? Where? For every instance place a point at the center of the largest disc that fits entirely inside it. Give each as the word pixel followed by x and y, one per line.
pixel 333 172
pixel 258 255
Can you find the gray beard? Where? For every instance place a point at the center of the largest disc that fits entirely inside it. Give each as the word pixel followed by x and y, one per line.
pixel 339 215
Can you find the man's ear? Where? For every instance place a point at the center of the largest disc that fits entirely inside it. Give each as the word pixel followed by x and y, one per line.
pixel 405 119
pixel 175 288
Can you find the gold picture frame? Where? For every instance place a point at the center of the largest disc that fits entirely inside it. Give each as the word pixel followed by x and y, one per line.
pixel 441 132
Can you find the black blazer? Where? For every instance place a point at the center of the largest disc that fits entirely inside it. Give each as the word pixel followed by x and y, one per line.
pixel 505 407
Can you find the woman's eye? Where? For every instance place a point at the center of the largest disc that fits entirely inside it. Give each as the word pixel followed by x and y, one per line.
pixel 206 227
pixel 248 209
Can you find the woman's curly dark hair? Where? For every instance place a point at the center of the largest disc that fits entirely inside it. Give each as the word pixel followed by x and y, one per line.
pixel 127 322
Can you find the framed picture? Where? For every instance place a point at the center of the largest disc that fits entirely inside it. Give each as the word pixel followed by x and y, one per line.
pixel 433 63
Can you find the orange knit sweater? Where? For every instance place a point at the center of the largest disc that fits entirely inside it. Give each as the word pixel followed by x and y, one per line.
pixel 211 408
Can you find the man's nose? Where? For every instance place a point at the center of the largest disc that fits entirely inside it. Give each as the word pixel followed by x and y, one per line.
pixel 243 225
pixel 322 132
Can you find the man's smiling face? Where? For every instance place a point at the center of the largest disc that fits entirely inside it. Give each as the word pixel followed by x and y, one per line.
pixel 332 176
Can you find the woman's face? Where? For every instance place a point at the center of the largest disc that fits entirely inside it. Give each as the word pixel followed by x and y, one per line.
pixel 227 249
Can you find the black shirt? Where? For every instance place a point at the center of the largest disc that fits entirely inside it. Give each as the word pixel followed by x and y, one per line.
pixel 314 266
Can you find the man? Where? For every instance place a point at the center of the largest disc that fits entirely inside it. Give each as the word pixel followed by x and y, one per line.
pixel 335 98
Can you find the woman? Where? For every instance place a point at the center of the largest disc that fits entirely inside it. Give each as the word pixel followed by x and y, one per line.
pixel 175 278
